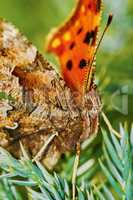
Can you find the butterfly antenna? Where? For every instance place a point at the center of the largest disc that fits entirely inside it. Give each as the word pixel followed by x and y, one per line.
pixel 88 81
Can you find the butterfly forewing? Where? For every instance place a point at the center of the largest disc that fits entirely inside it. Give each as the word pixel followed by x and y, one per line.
pixel 75 43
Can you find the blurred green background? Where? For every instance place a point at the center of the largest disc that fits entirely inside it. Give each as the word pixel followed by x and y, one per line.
pixel 114 59
pixel 114 71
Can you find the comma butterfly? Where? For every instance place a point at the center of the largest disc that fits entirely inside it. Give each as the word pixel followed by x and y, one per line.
pixel 44 105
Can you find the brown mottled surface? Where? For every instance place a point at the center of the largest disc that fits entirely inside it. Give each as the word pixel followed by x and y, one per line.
pixel 41 103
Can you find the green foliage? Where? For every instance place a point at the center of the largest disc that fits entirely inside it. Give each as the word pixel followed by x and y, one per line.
pixel 116 164
pixel 106 168
pixel 119 169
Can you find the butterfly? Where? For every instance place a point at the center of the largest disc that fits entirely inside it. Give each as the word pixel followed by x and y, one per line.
pixel 75 42
pixel 44 102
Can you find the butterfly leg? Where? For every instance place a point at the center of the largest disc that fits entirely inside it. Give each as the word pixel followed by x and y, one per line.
pixel 40 153
pixel 106 120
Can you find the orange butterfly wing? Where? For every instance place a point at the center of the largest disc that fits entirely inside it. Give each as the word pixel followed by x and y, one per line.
pixel 75 43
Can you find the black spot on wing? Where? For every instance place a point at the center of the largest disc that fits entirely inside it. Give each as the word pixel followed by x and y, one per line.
pixel 72 45
pixel 98 6
pixel 69 64
pixel 94 36
pixel 82 63
pixel 79 30
pixel 90 37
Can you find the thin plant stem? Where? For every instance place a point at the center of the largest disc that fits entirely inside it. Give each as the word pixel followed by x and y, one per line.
pixel 41 151
pixel 75 168
pixel 110 126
